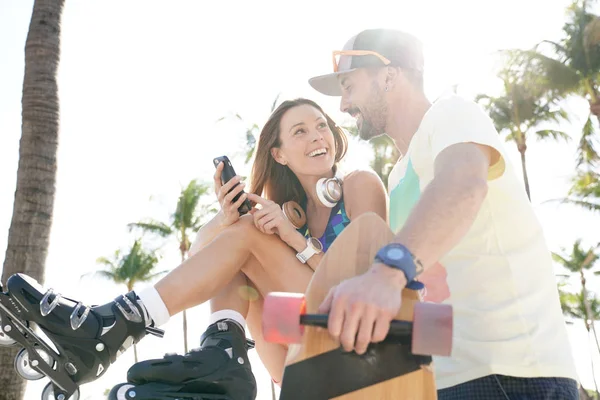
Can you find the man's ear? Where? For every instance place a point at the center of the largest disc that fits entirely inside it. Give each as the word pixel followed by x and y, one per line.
pixel 391 76
pixel 277 156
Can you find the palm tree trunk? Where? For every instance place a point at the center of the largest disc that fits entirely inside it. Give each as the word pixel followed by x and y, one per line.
pixel 592 360
pixel 591 91
pixel 185 338
pixel 135 356
pixel 589 321
pixel 29 232
pixel 583 394
pixel 589 316
pixel 521 144
pixel 524 167
pixel 273 397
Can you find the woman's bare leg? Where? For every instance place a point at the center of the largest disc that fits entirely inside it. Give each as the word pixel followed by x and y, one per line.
pixel 205 274
pixel 236 295
pixel 243 296
pixel 272 355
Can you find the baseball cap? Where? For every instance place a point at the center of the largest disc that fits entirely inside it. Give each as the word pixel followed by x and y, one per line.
pixel 371 48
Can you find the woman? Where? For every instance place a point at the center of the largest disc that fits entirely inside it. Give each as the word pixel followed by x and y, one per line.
pixel 298 146
pixel 284 169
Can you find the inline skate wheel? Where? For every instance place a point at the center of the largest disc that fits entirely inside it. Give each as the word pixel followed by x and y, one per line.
pixel 48 394
pixel 25 367
pixel 119 392
pixel 5 340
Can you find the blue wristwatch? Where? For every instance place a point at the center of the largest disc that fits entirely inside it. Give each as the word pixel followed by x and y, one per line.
pixel 396 255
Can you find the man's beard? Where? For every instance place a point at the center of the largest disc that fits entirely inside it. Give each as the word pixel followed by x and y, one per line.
pixel 373 115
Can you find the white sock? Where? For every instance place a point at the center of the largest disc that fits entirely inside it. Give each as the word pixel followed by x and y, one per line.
pixel 228 314
pixel 155 305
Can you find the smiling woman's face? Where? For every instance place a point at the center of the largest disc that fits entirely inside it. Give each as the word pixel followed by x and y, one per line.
pixel 307 143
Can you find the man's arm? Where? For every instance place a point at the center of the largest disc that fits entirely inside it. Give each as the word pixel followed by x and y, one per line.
pixel 449 204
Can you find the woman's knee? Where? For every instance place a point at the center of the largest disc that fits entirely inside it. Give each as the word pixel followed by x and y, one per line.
pixel 368 222
pixel 371 217
pixel 240 230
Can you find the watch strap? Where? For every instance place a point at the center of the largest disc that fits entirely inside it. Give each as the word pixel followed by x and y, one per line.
pixel 407 264
pixel 307 253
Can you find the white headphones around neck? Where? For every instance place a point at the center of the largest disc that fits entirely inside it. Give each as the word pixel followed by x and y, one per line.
pixel 329 190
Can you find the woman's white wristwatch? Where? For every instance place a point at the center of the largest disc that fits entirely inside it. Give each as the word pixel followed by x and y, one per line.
pixel 313 246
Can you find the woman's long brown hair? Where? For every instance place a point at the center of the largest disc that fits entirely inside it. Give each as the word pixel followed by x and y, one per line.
pixel 277 182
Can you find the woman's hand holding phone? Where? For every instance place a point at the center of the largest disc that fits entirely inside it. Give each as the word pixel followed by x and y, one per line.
pixel 228 207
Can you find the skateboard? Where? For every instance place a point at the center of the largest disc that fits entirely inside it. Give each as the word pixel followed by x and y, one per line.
pixel 316 367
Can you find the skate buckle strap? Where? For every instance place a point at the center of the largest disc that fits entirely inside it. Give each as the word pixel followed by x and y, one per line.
pixel 222 326
pixel 155 331
pixel 132 313
pixel 250 344
pixel 76 320
pixel 46 306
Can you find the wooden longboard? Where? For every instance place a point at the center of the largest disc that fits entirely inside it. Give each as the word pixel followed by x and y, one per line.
pixel 351 254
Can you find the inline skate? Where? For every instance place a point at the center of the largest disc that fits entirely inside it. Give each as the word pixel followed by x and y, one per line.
pixel 218 370
pixel 83 341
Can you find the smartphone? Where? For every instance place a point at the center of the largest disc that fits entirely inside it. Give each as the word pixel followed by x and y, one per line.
pixel 228 173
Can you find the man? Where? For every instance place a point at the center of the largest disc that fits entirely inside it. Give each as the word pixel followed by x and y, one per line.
pixel 454 198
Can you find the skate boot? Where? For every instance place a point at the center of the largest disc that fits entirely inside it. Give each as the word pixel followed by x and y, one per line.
pixel 83 341
pixel 218 370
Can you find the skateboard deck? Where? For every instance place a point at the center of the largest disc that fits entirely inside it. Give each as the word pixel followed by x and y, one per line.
pixel 316 367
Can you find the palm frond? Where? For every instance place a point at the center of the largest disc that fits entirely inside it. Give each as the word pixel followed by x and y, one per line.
pixel 156 227
pixel 586 184
pixel 558 49
pixel 543 73
pixel 587 205
pixel 109 263
pixel 560 259
pixel 274 104
pixel 591 33
pixel 157 274
pixel 187 206
pixel 552 134
pixel 110 275
pixel 250 142
pixel 587 152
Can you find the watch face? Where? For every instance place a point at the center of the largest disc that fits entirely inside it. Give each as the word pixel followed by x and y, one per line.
pixel 395 254
pixel 316 243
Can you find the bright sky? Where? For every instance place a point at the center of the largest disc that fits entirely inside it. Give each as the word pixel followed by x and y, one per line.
pixel 142 84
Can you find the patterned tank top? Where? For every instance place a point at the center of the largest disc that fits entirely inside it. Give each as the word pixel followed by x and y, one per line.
pixel 338 220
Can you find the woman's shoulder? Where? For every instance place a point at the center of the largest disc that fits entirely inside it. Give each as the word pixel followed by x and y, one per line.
pixel 364 191
pixel 358 178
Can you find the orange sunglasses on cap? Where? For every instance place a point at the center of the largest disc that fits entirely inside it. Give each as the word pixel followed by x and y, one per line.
pixel 356 53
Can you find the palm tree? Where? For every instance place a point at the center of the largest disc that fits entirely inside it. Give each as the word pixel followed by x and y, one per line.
pixel 571 66
pixel 585 191
pixel 185 221
pixel 136 266
pixel 518 114
pixel 385 153
pixel 523 108
pixel 252 131
pixel 578 262
pixel 578 306
pixel 29 232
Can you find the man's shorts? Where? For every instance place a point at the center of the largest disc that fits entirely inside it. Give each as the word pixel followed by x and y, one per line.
pixel 502 387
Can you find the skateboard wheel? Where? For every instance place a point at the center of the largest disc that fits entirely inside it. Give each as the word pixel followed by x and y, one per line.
pixel 432 329
pixel 281 317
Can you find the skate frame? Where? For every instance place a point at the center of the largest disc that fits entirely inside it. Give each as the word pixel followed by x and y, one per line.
pixel 64 387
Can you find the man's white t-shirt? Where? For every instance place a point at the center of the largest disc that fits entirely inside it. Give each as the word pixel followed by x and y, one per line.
pixel 507 315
